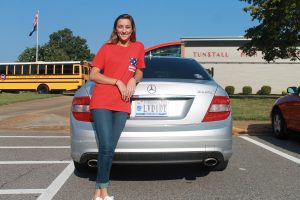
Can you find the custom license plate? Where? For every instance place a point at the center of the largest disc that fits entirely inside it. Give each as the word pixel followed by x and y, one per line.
pixel 151 108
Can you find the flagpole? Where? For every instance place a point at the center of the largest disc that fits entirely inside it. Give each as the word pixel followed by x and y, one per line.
pixel 37 36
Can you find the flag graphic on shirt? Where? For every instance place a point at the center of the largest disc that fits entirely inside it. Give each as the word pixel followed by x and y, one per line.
pixel 132 64
pixel 35 21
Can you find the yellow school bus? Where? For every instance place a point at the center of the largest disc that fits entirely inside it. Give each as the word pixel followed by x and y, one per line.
pixel 43 77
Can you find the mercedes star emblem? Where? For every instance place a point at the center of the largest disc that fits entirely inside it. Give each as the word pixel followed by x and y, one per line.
pixel 151 89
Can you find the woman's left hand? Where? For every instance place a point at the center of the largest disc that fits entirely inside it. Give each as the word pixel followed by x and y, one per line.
pixel 131 85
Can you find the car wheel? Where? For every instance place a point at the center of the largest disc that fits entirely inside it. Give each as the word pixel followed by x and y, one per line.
pixel 81 168
pixel 279 125
pixel 42 89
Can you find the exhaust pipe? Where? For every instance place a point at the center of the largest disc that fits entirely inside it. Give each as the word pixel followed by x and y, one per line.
pixel 210 162
pixel 92 163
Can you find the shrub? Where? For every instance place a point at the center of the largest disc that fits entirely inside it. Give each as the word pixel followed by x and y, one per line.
pixel 284 92
pixel 229 89
pixel 247 90
pixel 265 90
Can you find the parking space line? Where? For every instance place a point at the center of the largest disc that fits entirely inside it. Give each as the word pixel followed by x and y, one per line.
pixel 35 147
pixel 31 136
pixel 22 191
pixel 280 153
pixel 55 186
pixel 34 162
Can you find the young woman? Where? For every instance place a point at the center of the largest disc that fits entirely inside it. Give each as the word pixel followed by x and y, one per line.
pixel 121 59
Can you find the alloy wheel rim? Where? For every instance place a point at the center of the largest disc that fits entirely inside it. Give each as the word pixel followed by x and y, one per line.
pixel 277 124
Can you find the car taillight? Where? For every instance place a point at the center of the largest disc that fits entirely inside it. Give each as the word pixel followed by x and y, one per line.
pixel 219 109
pixel 81 109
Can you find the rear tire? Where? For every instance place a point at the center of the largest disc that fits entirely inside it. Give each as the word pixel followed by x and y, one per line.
pixel 279 125
pixel 42 89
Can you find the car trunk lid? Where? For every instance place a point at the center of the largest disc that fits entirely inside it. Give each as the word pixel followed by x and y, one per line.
pixel 171 102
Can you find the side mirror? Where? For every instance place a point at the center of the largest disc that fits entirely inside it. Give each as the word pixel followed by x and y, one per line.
pixel 291 90
pixel 298 90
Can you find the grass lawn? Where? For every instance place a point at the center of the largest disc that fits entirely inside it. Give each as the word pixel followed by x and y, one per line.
pixel 243 107
pixel 8 98
pixel 252 108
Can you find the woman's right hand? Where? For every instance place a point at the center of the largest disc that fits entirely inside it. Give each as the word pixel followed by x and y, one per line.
pixel 122 88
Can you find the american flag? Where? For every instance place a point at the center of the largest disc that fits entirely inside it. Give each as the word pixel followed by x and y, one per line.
pixel 132 64
pixel 35 22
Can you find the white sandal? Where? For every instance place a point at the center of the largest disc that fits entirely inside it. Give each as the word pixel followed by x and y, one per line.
pixel 108 198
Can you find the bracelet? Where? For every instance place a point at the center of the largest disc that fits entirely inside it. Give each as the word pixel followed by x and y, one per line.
pixel 135 80
pixel 116 81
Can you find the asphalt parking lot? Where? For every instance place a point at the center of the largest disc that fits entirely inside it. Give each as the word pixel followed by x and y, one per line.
pixel 35 163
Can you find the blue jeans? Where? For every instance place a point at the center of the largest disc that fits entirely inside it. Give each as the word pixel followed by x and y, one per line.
pixel 109 126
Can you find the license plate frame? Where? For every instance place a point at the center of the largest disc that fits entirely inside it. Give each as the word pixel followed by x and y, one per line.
pixel 151 108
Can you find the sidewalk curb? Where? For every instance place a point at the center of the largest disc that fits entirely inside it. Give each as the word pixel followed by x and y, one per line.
pixel 251 127
pixel 238 131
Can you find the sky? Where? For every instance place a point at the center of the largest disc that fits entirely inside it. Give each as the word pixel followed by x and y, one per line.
pixel 157 21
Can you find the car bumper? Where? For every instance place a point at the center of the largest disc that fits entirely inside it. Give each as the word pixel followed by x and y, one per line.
pixel 158 145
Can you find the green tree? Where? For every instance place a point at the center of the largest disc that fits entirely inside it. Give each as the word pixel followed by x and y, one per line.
pixel 52 53
pixel 278 32
pixel 28 55
pixel 62 46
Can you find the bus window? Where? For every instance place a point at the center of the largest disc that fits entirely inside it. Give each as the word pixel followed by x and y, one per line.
pixel 58 69
pixel 50 69
pixel 85 70
pixel 34 69
pixel 2 69
pixel 26 69
pixel 42 68
pixel 68 69
pixel 10 70
pixel 18 69
pixel 76 69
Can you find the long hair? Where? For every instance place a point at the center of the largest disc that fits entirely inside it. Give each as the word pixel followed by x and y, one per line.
pixel 114 39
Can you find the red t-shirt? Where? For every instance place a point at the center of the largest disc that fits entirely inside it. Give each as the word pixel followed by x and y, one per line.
pixel 120 63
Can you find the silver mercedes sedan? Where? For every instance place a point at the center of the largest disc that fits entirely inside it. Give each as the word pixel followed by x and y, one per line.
pixel 179 115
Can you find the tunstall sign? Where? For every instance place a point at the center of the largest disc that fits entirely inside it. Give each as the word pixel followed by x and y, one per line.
pixel 225 55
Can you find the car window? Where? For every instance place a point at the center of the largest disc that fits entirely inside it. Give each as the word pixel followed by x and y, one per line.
pixel 174 69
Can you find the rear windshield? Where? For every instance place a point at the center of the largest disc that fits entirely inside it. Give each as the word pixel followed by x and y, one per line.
pixel 174 69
